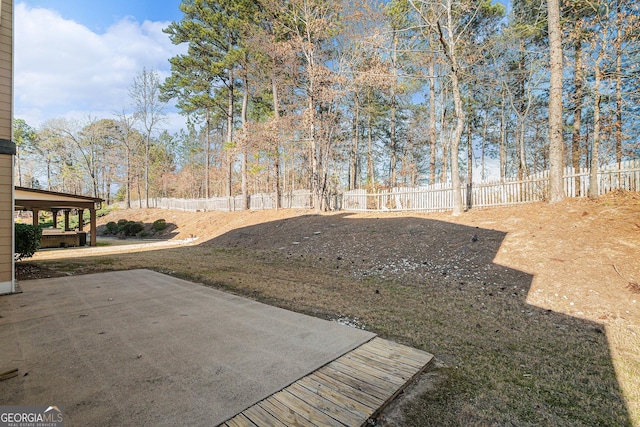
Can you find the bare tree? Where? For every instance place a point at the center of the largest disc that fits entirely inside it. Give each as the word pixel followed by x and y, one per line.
pixel 443 22
pixel 130 140
pixel 148 111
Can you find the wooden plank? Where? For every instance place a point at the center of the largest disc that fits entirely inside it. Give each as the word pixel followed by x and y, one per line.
pixel 396 358
pixel 414 353
pixel 294 404
pixel 261 417
pixel 339 399
pixel 387 364
pixel 239 421
pixel 303 408
pixel 325 406
pixel 407 355
pixel 285 414
pixel 357 382
pixel 346 392
pixel 349 391
pixel 357 372
pixel 409 352
pixel 389 354
pixel 364 367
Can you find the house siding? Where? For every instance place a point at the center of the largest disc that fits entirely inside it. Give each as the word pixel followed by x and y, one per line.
pixel 6 147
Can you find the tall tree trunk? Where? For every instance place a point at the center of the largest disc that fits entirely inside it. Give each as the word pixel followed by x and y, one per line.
pixel 450 52
pixel 393 158
pixel 556 157
pixel 522 151
pixel 18 166
pixel 276 149
pixel 107 192
pixel 593 173
pixel 48 175
pixel 618 45
pixel 315 174
pixel 128 186
pixel 146 168
pixel 444 140
pixel 469 154
pixel 371 179
pixel 520 128
pixel 503 140
pixel 311 105
pixel 207 160
pixel 355 136
pixel 432 118
pixel 577 113
pixel 393 161
pixel 484 145
pixel 243 167
pixel 229 141
pixel 455 140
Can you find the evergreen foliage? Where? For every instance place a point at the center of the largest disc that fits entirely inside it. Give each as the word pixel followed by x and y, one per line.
pixel 27 240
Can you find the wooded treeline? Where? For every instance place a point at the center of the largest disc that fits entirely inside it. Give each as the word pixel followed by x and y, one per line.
pixel 330 95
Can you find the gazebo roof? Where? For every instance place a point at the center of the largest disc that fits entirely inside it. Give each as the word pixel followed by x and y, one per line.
pixel 31 198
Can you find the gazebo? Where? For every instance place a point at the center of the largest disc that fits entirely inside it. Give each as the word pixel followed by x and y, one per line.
pixel 40 200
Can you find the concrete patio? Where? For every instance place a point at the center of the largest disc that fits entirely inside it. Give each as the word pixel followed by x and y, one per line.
pixel 142 348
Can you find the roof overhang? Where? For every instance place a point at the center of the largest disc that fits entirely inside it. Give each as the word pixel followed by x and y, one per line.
pixel 30 198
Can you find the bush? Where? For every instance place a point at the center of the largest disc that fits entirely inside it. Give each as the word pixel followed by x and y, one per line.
pixel 111 228
pixel 122 222
pixel 27 240
pixel 132 228
pixel 159 225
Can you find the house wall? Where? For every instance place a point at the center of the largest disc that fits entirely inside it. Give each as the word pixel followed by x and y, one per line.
pixel 7 148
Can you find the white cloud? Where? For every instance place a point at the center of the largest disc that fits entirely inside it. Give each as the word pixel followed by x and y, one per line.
pixel 63 69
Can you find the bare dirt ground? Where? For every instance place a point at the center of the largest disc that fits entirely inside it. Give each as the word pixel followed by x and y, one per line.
pixel 495 279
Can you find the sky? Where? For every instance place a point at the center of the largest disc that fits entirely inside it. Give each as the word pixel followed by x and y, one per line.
pixel 78 58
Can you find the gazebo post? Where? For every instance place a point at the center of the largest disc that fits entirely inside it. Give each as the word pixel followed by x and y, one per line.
pixel 80 219
pixel 66 220
pixel 55 218
pixel 94 227
pixel 36 217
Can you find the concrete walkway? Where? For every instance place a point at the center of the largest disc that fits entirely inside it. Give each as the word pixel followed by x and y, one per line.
pixel 142 348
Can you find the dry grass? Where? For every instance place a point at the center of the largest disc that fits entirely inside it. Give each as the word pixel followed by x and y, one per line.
pixel 505 362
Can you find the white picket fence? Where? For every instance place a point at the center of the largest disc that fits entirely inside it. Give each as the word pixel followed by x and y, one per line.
pixel 300 199
pixel 437 197
pixel 535 188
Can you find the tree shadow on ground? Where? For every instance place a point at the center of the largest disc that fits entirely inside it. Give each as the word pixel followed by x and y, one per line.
pixel 434 285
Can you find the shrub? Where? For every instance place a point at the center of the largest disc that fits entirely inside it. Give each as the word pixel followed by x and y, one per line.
pixel 27 240
pixel 111 228
pixel 132 228
pixel 122 222
pixel 159 225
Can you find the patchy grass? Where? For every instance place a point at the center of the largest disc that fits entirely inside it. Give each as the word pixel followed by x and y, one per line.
pixel 502 361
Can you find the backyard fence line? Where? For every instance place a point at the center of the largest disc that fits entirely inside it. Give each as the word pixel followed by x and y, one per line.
pixel 436 197
pixel 300 199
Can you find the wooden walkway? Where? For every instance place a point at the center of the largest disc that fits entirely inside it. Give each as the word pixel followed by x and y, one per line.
pixel 347 392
